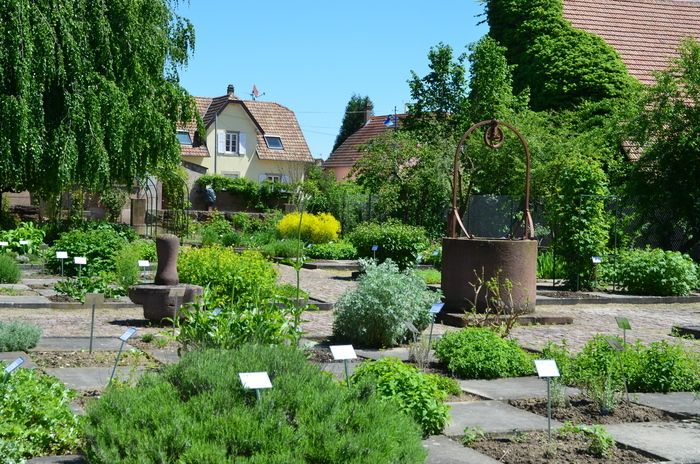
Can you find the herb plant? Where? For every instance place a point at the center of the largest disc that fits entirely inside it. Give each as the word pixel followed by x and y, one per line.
pixel 399 242
pixel 18 336
pixel 9 270
pixel 375 313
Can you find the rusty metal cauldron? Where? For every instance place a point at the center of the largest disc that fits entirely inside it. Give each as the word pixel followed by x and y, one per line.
pixel 466 258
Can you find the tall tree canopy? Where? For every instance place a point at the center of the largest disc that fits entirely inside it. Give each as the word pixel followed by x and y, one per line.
pixel 667 129
pixel 89 91
pixel 356 112
pixel 561 65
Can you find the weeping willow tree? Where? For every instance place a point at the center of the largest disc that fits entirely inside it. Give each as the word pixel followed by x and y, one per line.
pixel 89 91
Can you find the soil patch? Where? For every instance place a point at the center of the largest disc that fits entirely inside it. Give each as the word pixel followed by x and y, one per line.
pixel 61 359
pixel 158 342
pixel 319 354
pixel 583 411
pixel 533 448
pixel 565 294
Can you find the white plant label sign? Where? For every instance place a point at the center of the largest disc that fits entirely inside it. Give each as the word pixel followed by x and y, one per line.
pixel 82 260
pixel 436 308
pixel 343 352
pixel 125 336
pixel 546 368
pixel 61 255
pixel 255 380
pixel 15 364
pixel 144 263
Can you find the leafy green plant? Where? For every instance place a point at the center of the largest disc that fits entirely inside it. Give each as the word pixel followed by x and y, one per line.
pixel 480 353
pixel 332 250
pixel 396 241
pixel 264 321
pixel 430 276
pixel 126 269
pixel 198 411
pixel 415 393
pixel 24 231
pixel 99 246
pixel 9 270
pixel 375 313
pixel 600 443
pixel 315 228
pixel 472 435
pixel 78 287
pixel 652 271
pixel 18 336
pixel 214 230
pixel 231 277
pixel 285 248
pixel 36 416
pixel 662 367
pixel 550 266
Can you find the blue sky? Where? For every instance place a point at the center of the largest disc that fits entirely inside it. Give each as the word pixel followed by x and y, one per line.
pixel 313 55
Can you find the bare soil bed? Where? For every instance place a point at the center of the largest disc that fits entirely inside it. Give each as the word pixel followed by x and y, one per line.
pixel 61 359
pixel 583 411
pixel 533 448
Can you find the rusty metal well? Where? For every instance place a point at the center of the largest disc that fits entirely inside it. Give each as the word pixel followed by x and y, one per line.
pixel 466 258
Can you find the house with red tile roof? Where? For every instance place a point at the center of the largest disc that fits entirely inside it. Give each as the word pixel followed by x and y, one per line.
pixel 646 33
pixel 255 139
pixel 341 161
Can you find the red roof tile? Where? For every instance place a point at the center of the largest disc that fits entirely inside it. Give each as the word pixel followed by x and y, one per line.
pixel 201 149
pixel 349 151
pixel 646 33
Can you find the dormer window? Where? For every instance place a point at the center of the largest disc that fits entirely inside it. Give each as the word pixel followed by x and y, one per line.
pixel 184 138
pixel 273 142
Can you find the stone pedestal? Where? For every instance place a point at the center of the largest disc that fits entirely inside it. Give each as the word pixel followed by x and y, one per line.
pixel 463 260
pixel 157 302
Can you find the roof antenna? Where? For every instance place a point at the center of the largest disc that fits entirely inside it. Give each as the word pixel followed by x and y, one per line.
pixel 255 94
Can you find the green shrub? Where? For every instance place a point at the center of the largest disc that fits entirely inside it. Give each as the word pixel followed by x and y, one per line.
pixel 315 228
pixel 9 270
pixel 432 255
pixel 78 287
pixel 430 276
pixel 197 411
pixel 254 320
pixel 36 417
pixel 215 229
pixel 18 336
pixel 99 246
pixel 417 394
pixel 550 266
pixel 479 353
pixel 24 231
pixel 662 367
pixel 231 277
pixel 374 314
pixel 285 248
pixel 652 271
pixel 126 266
pixel 396 241
pixel 600 443
pixel 231 239
pixel 333 250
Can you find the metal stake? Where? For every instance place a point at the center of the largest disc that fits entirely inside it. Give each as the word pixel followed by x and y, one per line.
pixel 121 347
pixel 257 394
pixel 549 409
pixel 430 335
pixel 92 326
pixel 347 375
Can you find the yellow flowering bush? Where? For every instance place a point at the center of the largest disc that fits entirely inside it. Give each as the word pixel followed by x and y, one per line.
pixel 315 228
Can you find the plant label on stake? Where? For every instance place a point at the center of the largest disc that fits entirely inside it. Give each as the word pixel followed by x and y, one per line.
pixel 216 312
pixel 144 264
pixel 596 259
pixel 123 337
pixel 434 310
pixel 255 381
pixel 624 324
pixel 94 300
pixel 80 261
pixel 61 255
pixel 547 369
pixel 618 349
pixel 344 353
pixel 374 251
pixel 14 365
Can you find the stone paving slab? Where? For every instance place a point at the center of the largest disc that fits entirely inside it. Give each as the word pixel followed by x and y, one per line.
pixel 79 343
pixel 164 356
pixel 493 417
pixel 18 287
pixel 10 356
pixel 401 353
pixel 50 281
pixel 510 389
pixel 72 459
pixel 684 403
pixel 678 442
pixel 91 378
pixel 20 301
pixel 338 369
pixel 442 450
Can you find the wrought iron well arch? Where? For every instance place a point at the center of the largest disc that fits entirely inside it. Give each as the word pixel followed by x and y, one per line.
pixel 494 139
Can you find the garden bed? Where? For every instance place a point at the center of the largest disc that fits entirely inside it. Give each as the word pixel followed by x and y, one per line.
pixel 533 448
pixel 63 359
pixel 583 411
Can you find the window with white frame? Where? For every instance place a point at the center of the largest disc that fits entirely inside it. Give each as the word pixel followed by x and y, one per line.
pixel 273 177
pixel 231 142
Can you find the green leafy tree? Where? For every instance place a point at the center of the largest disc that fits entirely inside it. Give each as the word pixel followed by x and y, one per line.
pixel 356 112
pixel 561 65
pixel 89 91
pixel 441 95
pixel 667 128
pixel 408 178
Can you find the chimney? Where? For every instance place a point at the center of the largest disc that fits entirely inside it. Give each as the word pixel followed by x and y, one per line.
pixel 368 112
pixel 229 90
